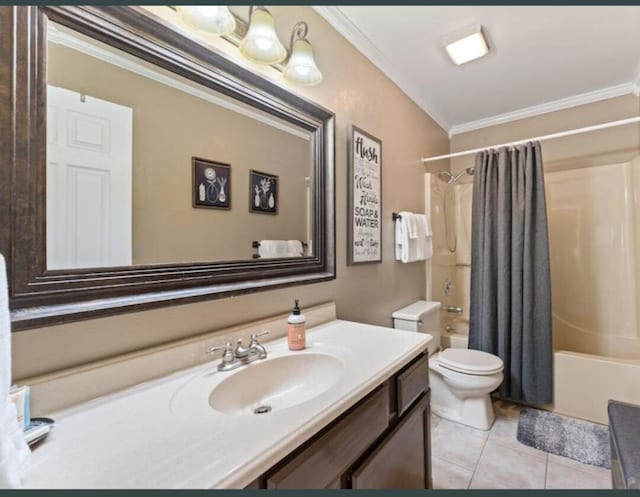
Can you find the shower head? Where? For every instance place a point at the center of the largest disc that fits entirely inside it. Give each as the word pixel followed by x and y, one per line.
pixel 447 174
pixel 453 179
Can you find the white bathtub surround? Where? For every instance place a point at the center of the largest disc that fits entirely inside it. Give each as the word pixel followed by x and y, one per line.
pixel 165 434
pixel 14 452
pixel 594 214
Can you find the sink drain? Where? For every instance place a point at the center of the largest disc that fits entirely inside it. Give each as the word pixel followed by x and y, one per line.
pixel 262 410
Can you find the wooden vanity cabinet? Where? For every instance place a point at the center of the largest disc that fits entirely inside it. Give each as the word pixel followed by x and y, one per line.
pixel 381 442
pixel 401 459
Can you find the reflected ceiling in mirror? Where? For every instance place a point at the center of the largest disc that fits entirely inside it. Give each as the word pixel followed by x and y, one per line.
pixel 145 167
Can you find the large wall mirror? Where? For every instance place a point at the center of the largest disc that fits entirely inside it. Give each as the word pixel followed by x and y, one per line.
pixel 149 170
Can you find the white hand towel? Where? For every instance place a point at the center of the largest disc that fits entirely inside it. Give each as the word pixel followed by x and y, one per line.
pixel 280 248
pixel 294 248
pixel 412 224
pixel 271 248
pixel 399 237
pixel 424 219
pixel 409 252
pixel 14 451
pixel 427 234
pixel 419 242
pixel 402 236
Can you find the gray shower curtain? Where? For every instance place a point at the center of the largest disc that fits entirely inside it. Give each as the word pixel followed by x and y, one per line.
pixel 510 312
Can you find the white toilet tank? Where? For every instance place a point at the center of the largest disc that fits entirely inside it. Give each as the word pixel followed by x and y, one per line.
pixel 422 316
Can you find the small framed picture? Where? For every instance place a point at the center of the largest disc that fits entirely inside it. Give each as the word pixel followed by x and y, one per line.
pixel 211 184
pixel 263 192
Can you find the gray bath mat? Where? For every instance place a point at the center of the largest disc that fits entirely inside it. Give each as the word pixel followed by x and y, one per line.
pixel 573 438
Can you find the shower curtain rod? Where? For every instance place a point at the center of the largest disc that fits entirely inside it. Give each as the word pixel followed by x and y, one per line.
pixel 561 134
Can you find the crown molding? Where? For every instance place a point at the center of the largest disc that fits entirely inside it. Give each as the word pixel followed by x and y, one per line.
pixel 343 25
pixel 553 106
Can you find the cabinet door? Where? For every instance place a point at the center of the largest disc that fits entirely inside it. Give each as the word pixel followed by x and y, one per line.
pixel 412 383
pixel 323 462
pixel 402 458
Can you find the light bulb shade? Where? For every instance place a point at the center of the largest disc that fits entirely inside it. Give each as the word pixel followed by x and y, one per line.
pixel 302 68
pixel 213 19
pixel 261 43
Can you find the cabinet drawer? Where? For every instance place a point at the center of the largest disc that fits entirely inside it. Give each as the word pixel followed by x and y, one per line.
pixel 326 459
pixel 412 383
pixel 401 460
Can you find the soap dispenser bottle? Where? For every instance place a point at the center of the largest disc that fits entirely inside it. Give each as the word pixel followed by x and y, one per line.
pixel 296 333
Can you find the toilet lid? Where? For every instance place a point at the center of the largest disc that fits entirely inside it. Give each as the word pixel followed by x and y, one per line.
pixel 470 361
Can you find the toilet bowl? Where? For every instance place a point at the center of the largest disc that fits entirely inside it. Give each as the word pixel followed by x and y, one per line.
pixel 460 379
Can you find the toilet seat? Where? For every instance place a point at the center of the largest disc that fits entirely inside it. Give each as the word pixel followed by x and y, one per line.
pixel 472 362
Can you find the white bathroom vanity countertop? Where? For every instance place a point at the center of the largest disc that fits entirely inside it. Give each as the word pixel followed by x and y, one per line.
pixel 164 433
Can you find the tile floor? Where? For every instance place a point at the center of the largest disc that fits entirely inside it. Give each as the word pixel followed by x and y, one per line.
pixel 466 458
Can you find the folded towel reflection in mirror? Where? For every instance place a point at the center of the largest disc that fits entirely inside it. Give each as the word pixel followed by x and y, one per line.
pixel 280 248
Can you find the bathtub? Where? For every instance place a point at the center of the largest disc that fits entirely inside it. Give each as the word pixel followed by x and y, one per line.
pixel 582 383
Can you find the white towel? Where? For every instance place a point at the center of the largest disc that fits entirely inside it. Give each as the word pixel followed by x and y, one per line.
pixel 279 248
pixel 14 451
pixel 427 234
pixel 295 248
pixel 402 236
pixel 426 224
pixel 413 248
pixel 405 244
pixel 412 225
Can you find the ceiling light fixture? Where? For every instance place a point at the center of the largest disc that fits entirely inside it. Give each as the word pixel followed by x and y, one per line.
pixel 261 43
pixel 467 44
pixel 212 19
pixel 301 68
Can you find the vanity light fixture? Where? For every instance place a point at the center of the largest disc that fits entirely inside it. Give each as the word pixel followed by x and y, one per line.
pixel 261 43
pixel 466 44
pixel 301 67
pixel 211 19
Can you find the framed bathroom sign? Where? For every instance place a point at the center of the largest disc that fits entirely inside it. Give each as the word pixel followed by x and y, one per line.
pixel 365 198
pixel 211 184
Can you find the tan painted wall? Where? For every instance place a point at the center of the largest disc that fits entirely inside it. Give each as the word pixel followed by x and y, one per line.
pixel 359 94
pixel 170 127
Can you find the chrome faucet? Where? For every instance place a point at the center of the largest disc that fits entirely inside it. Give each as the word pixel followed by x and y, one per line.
pixel 231 359
pixel 253 351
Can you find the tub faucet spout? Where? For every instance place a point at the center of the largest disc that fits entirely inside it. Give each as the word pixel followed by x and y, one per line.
pixel 453 309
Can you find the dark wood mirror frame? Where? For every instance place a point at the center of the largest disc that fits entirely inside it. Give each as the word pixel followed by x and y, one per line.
pixel 41 297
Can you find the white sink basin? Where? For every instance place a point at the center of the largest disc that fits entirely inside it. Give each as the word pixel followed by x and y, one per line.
pixel 275 384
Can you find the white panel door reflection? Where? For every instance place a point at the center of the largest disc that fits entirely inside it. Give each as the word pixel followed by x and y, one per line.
pixel 89 181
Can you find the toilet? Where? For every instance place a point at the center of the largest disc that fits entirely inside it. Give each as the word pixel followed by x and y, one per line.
pixel 460 379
